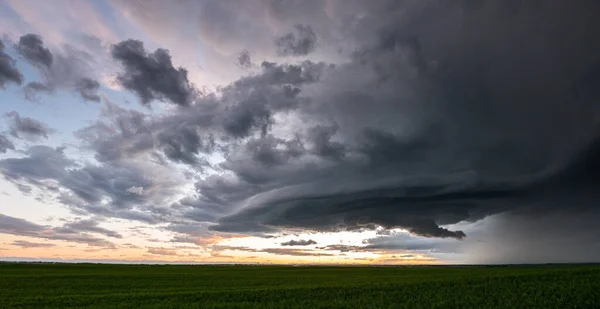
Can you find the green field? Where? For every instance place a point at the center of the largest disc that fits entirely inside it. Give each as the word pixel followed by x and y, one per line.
pixel 178 286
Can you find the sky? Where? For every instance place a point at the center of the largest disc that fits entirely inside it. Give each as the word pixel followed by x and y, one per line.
pixel 300 131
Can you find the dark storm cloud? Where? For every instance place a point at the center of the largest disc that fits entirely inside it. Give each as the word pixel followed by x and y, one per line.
pixel 320 137
pixel 21 227
pixel 88 89
pixel 8 71
pixel 301 242
pixel 246 116
pixel 437 125
pixel 185 144
pixel 300 42
pixel 25 127
pixel 28 244
pixel 152 76
pixel 31 47
pixel 6 144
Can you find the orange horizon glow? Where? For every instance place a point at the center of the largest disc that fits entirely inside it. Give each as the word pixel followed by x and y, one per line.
pixel 66 251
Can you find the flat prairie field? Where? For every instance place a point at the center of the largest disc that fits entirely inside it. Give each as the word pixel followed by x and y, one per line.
pixel 46 285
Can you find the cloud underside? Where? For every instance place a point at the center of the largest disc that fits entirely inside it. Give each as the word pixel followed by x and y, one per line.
pixel 441 113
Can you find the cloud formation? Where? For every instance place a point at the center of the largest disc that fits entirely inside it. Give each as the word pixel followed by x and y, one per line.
pixel 431 114
pixel 28 244
pixel 301 42
pixel 66 69
pixel 28 128
pixel 300 242
pixel 404 165
pixel 88 89
pixel 33 88
pixel 21 227
pixel 152 76
pixel 31 47
pixel 8 71
pixel 6 144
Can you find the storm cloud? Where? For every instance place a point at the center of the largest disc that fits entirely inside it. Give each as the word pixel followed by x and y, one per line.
pixel 407 166
pixel 427 117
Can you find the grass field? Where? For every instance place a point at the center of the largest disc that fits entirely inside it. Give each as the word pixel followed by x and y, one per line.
pixel 178 286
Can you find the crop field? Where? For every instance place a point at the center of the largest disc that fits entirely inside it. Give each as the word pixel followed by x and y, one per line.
pixel 40 285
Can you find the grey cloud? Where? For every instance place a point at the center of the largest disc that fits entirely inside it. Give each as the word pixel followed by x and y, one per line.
pixel 125 132
pixel 163 251
pixel 403 242
pixel 65 69
pixel 96 189
pixel 24 188
pixel 258 97
pixel 88 225
pixel 8 71
pixel 323 146
pixel 244 60
pixel 246 116
pixel 88 89
pixel 300 242
pixel 185 144
pixel 21 227
pixel 33 88
pixel 41 163
pixel 152 76
pixel 276 251
pixel 28 244
pixel 31 47
pixel 6 144
pixel 300 42
pixel 11 225
pixel 25 127
pixel 242 109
